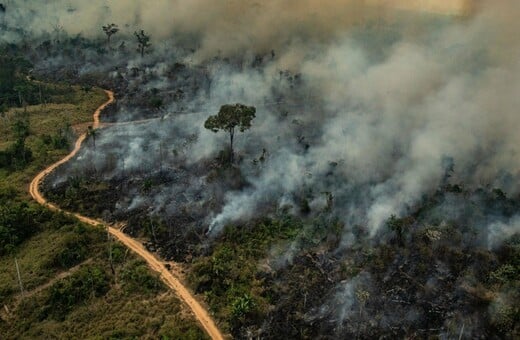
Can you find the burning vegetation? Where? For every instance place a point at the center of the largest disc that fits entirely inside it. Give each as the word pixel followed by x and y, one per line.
pixel 374 191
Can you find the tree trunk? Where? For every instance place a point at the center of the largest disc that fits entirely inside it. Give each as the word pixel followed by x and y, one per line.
pixel 110 259
pixel 19 276
pixel 40 93
pixel 160 157
pixel 153 232
pixel 231 136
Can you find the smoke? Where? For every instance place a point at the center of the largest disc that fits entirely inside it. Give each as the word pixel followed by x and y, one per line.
pixel 231 27
pixel 502 231
pixel 357 100
pixel 362 110
pixel 347 302
pixel 374 100
pixel 390 120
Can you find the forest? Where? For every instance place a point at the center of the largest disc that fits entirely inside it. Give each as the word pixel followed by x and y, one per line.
pixel 340 171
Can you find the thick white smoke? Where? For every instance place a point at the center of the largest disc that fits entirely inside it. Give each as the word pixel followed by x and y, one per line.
pixel 385 96
pixel 390 123
pixel 229 27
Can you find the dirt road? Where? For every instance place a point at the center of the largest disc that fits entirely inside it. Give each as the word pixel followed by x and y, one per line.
pixel 157 265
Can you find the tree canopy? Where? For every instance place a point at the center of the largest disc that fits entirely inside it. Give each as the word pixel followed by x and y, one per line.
pixel 110 30
pixel 13 83
pixel 229 118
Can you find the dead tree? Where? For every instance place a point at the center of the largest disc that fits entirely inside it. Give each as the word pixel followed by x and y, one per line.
pixel 143 42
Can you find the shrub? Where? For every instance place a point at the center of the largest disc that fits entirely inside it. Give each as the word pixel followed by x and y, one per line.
pixel 136 277
pixel 17 223
pixel 73 251
pixel 91 281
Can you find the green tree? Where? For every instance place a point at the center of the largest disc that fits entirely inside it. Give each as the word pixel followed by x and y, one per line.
pixel 17 222
pixel 20 154
pixel 240 307
pixel 229 118
pixel 3 110
pixel 143 42
pixel 13 83
pixel 7 78
pixel 21 129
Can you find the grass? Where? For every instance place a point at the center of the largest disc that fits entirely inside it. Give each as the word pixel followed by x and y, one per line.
pixel 116 316
pixel 34 258
pixel 229 275
pixel 133 303
pixel 46 120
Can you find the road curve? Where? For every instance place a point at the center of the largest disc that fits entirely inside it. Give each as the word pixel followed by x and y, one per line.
pixel 174 283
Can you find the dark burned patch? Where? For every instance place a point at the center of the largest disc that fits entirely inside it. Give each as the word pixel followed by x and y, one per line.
pixel 175 223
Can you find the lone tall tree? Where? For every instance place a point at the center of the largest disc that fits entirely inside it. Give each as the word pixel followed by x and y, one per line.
pixel 110 30
pixel 229 118
pixel 143 41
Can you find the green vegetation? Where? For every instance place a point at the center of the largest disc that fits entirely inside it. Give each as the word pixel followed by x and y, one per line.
pixel 18 221
pixel 30 139
pixel 231 278
pixel 18 154
pixel 69 287
pixel 36 136
pixel 15 89
pixel 87 300
pixel 229 118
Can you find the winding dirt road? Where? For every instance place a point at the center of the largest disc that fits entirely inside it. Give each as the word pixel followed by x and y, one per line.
pixel 173 282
